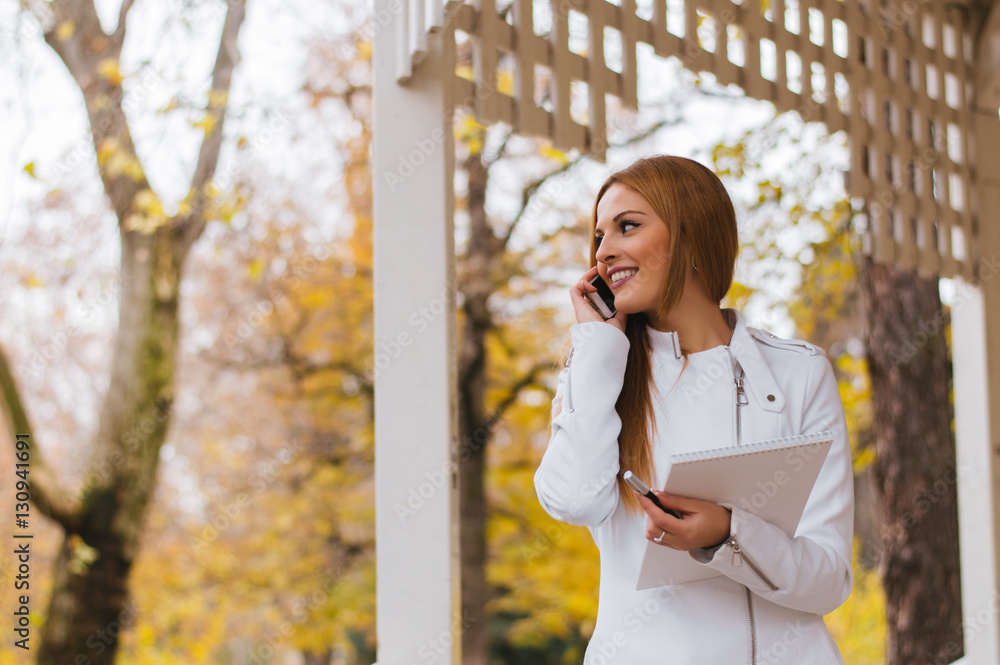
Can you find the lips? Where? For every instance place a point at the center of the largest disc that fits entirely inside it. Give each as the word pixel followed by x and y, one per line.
pixel 619 276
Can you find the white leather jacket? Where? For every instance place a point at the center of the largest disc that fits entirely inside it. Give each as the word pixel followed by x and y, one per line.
pixel 768 605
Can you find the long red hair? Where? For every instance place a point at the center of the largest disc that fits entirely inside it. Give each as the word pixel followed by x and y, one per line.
pixel 693 203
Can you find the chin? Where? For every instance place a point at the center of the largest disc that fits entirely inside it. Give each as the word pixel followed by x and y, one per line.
pixel 627 308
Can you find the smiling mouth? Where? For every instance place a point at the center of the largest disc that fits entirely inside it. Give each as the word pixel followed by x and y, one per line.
pixel 622 276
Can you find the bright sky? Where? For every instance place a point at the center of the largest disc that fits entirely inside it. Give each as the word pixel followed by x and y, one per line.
pixel 166 58
pixel 43 117
pixel 43 122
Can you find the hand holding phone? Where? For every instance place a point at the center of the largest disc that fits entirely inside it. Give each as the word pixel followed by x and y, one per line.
pixel 641 488
pixel 589 306
pixel 604 300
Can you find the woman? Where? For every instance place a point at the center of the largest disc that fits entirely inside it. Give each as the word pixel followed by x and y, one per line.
pixel 671 372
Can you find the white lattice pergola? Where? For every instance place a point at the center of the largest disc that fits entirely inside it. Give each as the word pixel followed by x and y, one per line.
pixel 916 86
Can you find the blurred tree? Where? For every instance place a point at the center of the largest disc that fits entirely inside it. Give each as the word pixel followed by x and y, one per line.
pixel 102 522
pixel 915 465
pixel 283 547
pixel 901 420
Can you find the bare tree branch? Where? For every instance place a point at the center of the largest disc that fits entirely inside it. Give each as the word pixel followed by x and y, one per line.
pixel 501 150
pixel 515 389
pixel 93 58
pixel 226 60
pixel 529 192
pixel 118 36
pixel 45 486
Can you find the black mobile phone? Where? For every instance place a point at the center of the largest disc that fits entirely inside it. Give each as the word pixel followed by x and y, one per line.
pixel 605 303
pixel 641 488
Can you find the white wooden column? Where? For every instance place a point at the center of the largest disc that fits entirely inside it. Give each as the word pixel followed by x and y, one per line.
pixel 414 350
pixel 976 371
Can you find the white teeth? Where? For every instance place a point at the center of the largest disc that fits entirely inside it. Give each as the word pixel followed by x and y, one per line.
pixel 622 274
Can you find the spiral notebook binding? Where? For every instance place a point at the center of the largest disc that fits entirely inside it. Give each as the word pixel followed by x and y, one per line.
pixel 751 448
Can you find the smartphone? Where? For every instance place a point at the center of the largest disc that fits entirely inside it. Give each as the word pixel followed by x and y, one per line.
pixel 641 488
pixel 604 300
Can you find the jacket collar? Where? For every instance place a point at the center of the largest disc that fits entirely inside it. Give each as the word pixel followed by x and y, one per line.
pixel 760 382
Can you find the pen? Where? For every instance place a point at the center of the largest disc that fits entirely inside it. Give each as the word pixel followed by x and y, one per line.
pixel 641 488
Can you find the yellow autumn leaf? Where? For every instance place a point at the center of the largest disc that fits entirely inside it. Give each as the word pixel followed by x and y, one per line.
pixel 106 148
pixel 472 125
pixel 120 162
pixel 549 152
pixel 65 30
pixel 207 123
pixel 32 280
pixel 217 98
pixel 255 269
pixel 29 168
pixel 108 69
pixel 149 203
pixel 143 224
pixel 858 626
pixel 316 299
pixel 210 190
pixel 505 83
pixel 465 72
pixel 472 133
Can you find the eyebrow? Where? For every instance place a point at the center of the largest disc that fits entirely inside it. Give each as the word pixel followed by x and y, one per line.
pixel 623 213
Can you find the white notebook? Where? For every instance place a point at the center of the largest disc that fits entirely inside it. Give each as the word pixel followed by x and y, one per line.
pixel 771 479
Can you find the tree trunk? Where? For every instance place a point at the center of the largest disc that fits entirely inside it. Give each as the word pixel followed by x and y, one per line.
pixel 915 469
pixel 474 431
pixel 89 606
pixel 90 587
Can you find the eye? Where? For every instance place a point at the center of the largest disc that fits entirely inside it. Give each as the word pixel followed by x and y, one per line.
pixel 597 241
pixel 624 223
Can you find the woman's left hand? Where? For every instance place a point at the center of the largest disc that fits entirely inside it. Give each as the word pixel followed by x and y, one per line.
pixel 703 523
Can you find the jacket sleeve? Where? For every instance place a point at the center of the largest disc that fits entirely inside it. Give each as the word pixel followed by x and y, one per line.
pixel 811 572
pixel 576 479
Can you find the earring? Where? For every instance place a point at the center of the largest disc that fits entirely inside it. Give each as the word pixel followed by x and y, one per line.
pixel 693 264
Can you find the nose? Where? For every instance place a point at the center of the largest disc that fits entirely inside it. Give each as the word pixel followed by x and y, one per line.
pixel 606 250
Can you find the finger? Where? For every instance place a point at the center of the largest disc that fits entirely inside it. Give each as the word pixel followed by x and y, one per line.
pixel 681 503
pixel 670 502
pixel 647 506
pixel 666 539
pixel 661 519
pixel 586 277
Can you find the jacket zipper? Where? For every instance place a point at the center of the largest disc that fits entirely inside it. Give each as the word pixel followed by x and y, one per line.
pixel 569 362
pixel 741 395
pixel 753 627
pixel 738 555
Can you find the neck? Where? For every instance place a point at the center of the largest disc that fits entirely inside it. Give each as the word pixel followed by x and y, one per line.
pixel 698 322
